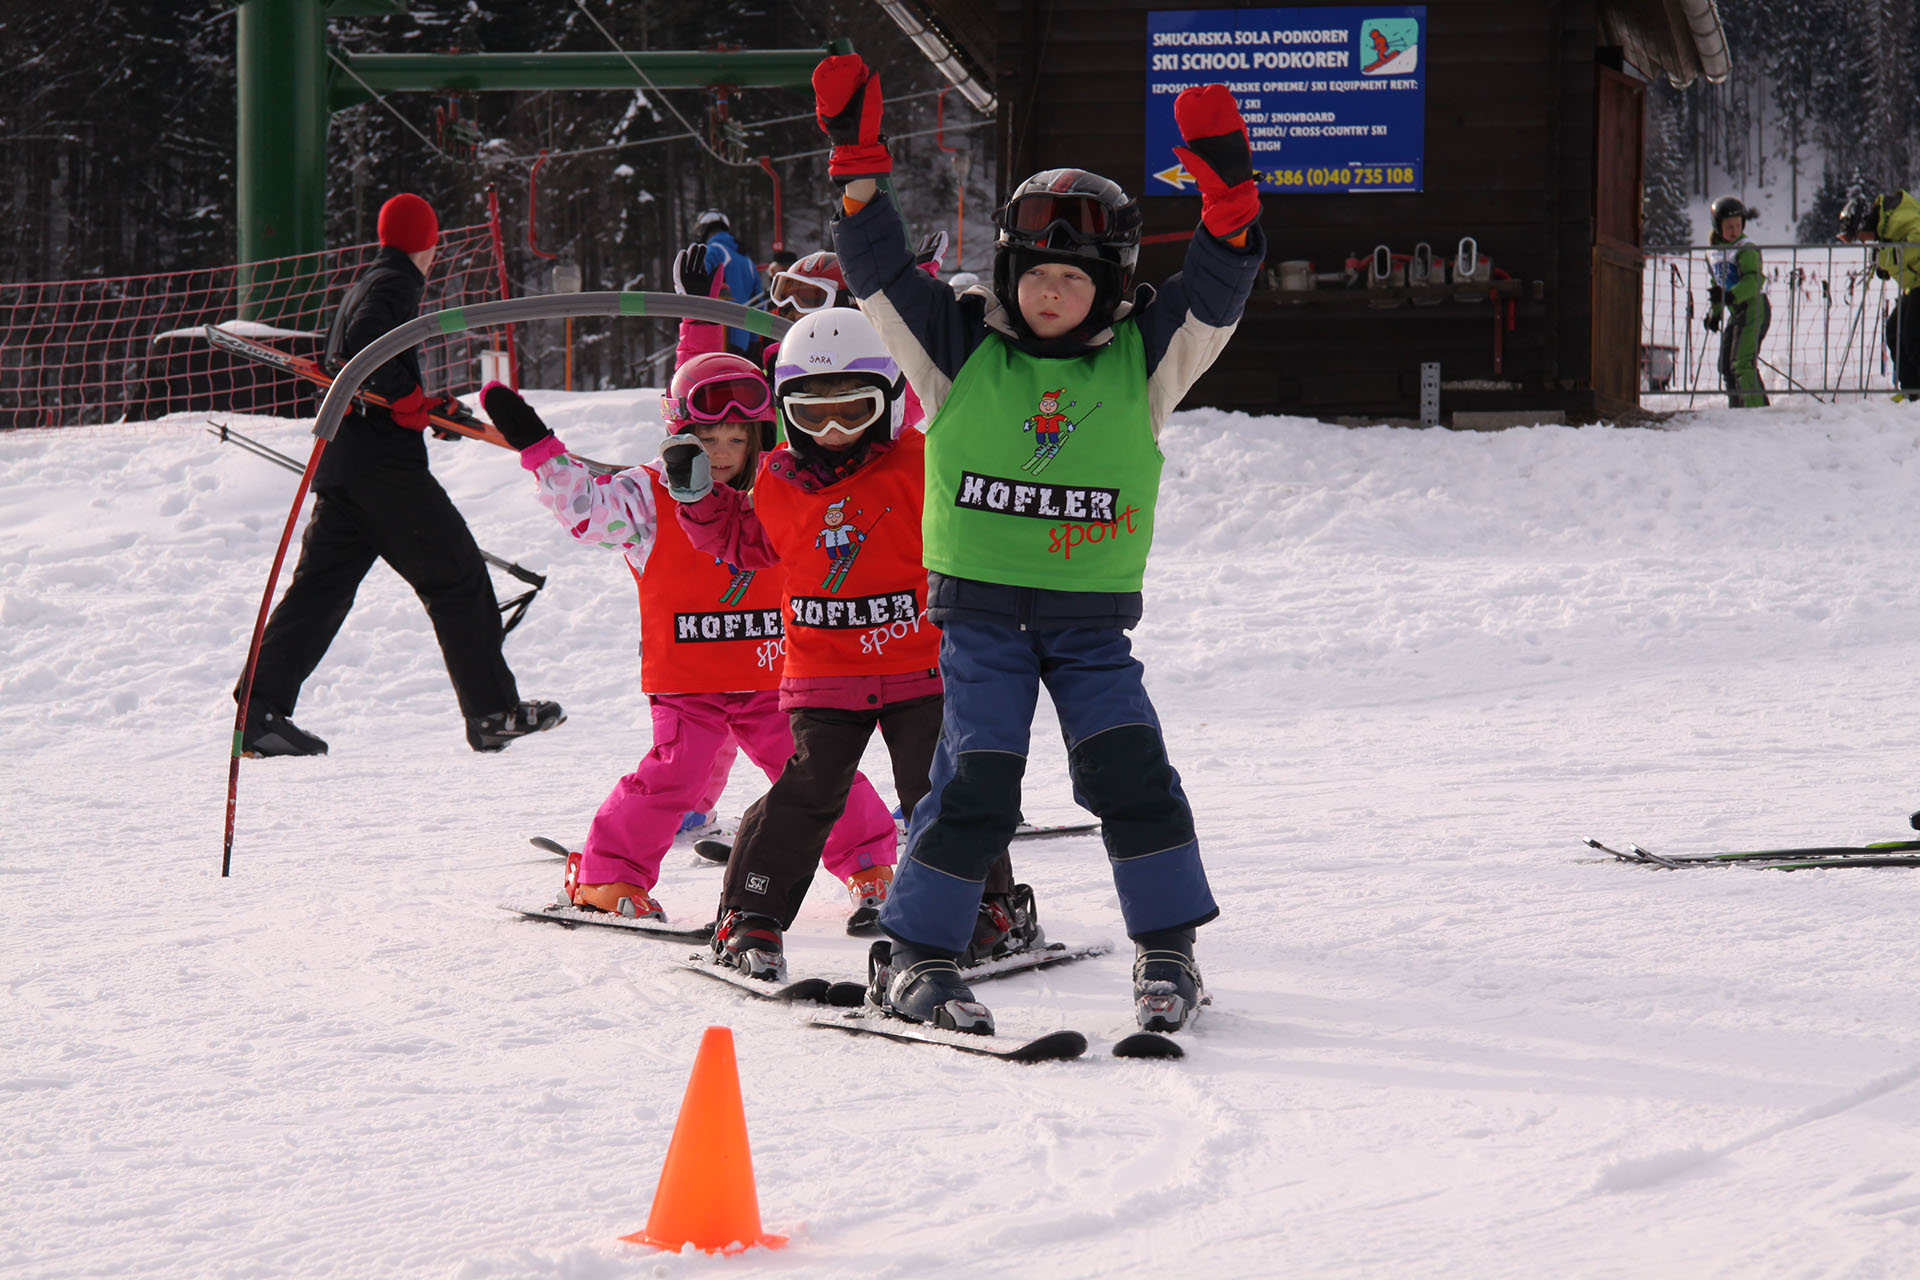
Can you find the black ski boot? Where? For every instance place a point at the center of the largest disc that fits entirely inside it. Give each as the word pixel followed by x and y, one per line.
pixel 923 986
pixel 494 732
pixel 1167 990
pixel 1006 925
pixel 751 944
pixel 268 733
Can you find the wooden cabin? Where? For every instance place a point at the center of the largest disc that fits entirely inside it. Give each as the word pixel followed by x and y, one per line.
pixel 1533 130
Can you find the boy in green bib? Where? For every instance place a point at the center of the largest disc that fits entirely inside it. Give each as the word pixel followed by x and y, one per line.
pixel 1045 394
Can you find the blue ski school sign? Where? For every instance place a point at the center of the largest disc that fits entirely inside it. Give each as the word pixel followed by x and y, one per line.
pixel 1334 98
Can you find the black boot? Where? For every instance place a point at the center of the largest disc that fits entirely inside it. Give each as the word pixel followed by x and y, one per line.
pixel 1007 924
pixel 1166 985
pixel 494 732
pixel 268 733
pixel 752 944
pixel 923 986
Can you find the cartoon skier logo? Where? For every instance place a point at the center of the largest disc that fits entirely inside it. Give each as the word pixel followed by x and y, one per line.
pixel 737 582
pixel 1389 46
pixel 1050 427
pixel 841 541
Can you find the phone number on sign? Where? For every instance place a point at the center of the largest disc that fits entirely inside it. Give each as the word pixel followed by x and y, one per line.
pixel 1384 176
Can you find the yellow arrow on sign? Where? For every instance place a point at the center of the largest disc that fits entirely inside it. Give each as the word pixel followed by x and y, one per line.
pixel 1176 177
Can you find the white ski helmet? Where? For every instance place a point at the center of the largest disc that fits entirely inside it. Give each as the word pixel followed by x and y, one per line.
pixel 837 340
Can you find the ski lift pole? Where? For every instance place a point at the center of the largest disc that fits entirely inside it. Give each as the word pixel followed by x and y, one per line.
pixel 339 398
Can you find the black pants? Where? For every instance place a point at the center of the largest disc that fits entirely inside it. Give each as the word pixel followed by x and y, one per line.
pixel 1903 341
pixel 403 516
pixel 783 832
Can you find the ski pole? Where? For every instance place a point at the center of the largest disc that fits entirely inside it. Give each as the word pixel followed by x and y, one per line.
pixel 273 455
pixel 1789 377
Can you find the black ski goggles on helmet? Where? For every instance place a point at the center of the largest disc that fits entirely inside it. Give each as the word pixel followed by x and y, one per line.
pixel 1048 221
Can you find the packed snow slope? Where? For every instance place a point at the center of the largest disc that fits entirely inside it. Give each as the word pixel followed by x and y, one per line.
pixel 1402 673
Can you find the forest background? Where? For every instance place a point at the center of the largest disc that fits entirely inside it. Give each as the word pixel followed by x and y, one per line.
pixel 117 138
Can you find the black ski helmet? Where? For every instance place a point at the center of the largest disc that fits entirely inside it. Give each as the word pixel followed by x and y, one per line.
pixel 1858 216
pixel 1072 216
pixel 1728 207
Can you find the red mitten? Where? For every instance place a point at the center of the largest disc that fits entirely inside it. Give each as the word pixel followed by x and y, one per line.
pixel 847 104
pixel 410 410
pixel 1219 156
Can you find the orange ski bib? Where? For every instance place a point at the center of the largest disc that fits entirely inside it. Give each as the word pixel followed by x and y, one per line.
pixel 856 590
pixel 705 627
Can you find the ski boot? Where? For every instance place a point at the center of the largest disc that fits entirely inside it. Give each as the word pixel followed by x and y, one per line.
pixel 1167 990
pixel 923 986
pixel 869 889
pixel 616 897
pixel 751 944
pixel 1007 925
pixel 268 733
pixel 494 732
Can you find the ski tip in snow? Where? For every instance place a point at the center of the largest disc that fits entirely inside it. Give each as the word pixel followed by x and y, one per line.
pixel 713 848
pixel 1055 1046
pixel 569 916
pixel 550 846
pixel 1148 1044
pixel 800 991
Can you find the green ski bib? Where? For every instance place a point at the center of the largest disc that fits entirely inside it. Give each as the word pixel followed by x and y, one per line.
pixel 1044 473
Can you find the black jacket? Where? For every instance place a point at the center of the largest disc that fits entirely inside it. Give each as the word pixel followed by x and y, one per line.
pixel 386 295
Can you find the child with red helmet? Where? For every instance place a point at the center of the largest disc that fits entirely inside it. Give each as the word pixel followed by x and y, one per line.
pixel 712 643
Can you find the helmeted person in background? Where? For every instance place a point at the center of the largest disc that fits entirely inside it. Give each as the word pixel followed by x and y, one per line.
pixel 1035 556
pixel 374 499
pixel 727 260
pixel 1893 219
pixel 1737 303
pixel 711 641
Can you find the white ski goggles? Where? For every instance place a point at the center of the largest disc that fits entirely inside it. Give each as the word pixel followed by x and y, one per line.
pixel 805 294
pixel 848 412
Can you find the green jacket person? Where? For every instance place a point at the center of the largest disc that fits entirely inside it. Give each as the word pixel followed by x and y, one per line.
pixel 1737 295
pixel 1894 220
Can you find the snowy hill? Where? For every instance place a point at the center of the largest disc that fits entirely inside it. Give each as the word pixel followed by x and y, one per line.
pixel 1402 673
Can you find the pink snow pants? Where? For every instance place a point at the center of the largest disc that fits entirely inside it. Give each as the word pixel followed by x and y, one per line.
pixel 637 822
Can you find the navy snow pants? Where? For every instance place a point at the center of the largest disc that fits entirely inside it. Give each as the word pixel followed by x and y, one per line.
pixel 1115 756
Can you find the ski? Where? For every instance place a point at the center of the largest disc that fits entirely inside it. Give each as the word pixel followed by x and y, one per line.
pixel 1148 1044
pixel 1021 961
pixel 562 913
pixel 719 848
pixel 302 367
pixel 1888 853
pixel 1055 1046
pixel 801 991
pixel 559 850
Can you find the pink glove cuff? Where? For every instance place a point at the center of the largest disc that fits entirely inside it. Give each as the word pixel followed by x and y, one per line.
pixel 534 454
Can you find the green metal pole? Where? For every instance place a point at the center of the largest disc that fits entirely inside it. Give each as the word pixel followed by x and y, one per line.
pixel 281 174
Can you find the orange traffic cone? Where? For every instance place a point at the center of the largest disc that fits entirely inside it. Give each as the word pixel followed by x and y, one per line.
pixel 706 1197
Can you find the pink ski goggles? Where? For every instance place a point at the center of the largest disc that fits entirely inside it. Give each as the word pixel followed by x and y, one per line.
pixel 727 397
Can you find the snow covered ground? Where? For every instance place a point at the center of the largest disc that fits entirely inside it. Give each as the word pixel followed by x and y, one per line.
pixel 1402 672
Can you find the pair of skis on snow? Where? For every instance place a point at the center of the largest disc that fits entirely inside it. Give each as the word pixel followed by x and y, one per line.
pixel 1884 853
pixel 846 1001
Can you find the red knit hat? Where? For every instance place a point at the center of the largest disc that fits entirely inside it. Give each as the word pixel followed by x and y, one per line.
pixel 407 224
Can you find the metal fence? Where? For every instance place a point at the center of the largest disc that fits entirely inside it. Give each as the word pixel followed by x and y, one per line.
pixel 1827 336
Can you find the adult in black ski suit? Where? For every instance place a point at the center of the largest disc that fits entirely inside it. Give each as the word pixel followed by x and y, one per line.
pixel 375 499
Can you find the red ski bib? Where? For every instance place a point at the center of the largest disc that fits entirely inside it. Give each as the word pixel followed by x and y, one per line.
pixel 856 589
pixel 705 628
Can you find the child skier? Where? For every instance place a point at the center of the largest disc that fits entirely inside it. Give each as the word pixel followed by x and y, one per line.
pixel 711 640
pixel 1739 293
pixel 860 652
pixel 1037 581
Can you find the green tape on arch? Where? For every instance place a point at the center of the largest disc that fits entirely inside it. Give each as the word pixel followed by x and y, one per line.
pixel 760 322
pixel 453 320
pixel 633 304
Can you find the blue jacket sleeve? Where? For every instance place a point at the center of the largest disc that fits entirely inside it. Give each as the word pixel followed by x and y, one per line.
pixel 928 330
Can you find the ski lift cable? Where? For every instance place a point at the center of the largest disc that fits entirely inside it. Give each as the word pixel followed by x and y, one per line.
pixel 892 137
pixel 647 80
pixel 381 99
pixel 751 125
